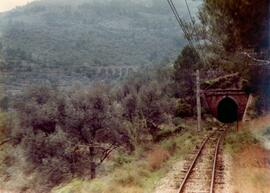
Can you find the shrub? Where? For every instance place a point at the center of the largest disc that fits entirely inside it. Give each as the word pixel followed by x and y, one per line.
pixel 184 108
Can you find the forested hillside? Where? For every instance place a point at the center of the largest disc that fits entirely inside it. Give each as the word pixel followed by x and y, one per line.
pixel 73 38
pixel 124 138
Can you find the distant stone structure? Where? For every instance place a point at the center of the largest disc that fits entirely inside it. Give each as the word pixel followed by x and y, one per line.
pixel 113 71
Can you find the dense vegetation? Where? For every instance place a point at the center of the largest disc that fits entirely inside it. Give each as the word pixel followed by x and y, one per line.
pixel 58 134
pixel 236 34
pixel 237 24
pixel 66 134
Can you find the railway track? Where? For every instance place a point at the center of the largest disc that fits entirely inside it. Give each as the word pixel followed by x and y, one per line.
pixel 203 174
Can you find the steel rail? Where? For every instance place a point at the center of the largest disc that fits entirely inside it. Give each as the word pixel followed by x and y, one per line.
pixel 188 173
pixel 215 166
pixel 193 164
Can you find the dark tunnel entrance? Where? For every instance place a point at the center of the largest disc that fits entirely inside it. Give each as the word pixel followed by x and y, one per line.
pixel 227 110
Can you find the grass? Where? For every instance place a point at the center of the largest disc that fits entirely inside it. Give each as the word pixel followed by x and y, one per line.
pixel 250 170
pixel 138 173
pixel 254 132
pixel 236 142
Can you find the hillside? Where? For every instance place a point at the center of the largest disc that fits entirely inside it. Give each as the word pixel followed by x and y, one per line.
pixel 73 39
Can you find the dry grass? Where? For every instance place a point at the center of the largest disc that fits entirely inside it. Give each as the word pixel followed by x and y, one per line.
pixel 121 189
pixel 251 171
pixel 157 158
pixel 251 165
pixel 256 124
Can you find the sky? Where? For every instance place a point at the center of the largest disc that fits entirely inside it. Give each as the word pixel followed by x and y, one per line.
pixel 6 5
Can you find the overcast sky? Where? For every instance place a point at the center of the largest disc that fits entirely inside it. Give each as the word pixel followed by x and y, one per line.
pixel 6 5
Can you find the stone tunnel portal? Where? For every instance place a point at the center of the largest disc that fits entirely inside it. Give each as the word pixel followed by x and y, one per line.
pixel 227 110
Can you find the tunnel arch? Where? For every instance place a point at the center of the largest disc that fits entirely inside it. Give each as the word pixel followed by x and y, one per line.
pixel 227 110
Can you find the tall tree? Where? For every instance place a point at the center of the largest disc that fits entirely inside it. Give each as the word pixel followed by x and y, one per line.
pixel 236 23
pixel 184 68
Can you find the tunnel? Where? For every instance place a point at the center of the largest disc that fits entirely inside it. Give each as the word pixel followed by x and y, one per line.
pixel 227 110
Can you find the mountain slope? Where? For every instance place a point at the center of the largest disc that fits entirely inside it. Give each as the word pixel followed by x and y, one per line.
pixel 69 36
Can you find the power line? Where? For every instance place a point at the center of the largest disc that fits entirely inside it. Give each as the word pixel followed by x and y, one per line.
pixel 178 19
pixel 189 12
pixel 193 22
pixel 180 22
pixel 187 33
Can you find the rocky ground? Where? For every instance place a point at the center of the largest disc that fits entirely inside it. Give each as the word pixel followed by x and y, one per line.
pixel 170 183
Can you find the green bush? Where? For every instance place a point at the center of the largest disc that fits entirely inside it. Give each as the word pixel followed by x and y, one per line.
pixel 184 108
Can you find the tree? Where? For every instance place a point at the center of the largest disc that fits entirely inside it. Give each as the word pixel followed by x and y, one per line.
pixel 37 133
pixel 130 106
pixel 154 105
pixel 133 123
pixel 92 119
pixel 236 24
pixel 38 109
pixel 146 104
pixel 68 134
pixel 237 33
pixel 184 67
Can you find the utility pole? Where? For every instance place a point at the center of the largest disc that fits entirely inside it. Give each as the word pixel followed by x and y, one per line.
pixel 198 99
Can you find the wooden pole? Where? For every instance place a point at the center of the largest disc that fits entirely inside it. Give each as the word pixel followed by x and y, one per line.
pixel 250 99
pixel 198 99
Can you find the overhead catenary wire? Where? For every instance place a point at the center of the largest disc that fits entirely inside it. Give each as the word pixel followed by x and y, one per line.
pixel 189 12
pixel 189 38
pixel 187 33
pixel 180 22
pixel 176 14
pixel 193 23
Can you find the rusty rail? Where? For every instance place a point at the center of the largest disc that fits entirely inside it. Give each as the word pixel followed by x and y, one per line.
pixel 215 166
pixel 188 173
pixel 192 165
